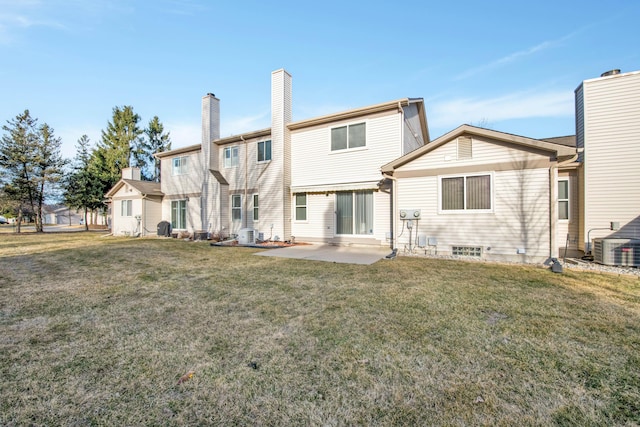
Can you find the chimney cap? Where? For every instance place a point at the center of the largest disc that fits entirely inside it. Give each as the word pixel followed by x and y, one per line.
pixel 610 72
pixel 211 94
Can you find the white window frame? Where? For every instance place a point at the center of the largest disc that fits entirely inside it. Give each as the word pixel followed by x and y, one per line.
pixel 466 211
pixel 180 165
pixel 567 200
pixel 256 207
pixel 353 213
pixel 176 222
pixel 236 208
pixel 230 161
pixel 305 206
pixel 348 148
pixel 126 208
pixel 264 145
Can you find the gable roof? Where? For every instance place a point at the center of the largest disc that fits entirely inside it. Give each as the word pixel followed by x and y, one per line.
pixel 560 150
pixel 145 188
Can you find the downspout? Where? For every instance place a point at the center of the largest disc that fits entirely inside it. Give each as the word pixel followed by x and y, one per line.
pixel 143 220
pixel 553 173
pixel 394 203
pixel 246 178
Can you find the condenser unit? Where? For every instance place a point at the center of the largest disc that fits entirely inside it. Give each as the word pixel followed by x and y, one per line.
pixel 247 236
pixel 625 252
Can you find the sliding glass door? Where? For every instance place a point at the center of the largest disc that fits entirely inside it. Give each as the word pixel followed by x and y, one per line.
pixel 354 212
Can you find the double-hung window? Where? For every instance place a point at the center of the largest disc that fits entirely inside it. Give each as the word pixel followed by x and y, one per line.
pixel 125 207
pixel 264 151
pixel 350 136
pixel 466 193
pixel 563 199
pixel 230 157
pixel 179 214
pixel 255 207
pixel 301 206
pixel 236 207
pixel 180 165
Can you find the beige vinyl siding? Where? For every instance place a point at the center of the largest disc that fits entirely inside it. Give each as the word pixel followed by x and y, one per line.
pixel 484 151
pixel 152 215
pixel 125 224
pixel 611 141
pixel 313 162
pixel 570 226
pixel 320 223
pixel 520 217
pixel 191 182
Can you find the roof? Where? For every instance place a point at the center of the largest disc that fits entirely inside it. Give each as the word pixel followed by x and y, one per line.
pixel 560 150
pixel 188 149
pixel 569 140
pixel 146 188
pixel 353 113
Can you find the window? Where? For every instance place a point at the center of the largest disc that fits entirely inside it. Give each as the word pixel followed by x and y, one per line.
pixel 179 214
pixel 466 193
pixel 180 165
pixel 475 251
pixel 125 207
pixel 563 199
pixel 255 207
pixel 351 136
pixel 264 151
pixel 236 207
pixel 354 212
pixel 230 157
pixel 301 207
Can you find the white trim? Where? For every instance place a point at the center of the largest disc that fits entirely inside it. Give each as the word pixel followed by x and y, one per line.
pixel 324 188
pixel 238 208
pixel 568 200
pixel 466 211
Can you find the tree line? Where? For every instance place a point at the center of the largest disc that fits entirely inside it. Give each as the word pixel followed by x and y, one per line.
pixel 32 169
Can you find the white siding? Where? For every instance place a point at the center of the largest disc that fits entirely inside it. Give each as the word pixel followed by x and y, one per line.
pixel 321 220
pixel 313 162
pixel 611 141
pixel 570 226
pixel 520 206
pixel 125 225
pixel 189 183
pixel 520 217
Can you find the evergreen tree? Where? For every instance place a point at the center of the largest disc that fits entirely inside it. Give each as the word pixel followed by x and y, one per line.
pixel 31 162
pixel 157 142
pixel 83 187
pixel 121 146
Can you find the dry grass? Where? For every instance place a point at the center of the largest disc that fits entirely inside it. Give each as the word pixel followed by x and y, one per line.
pixel 99 331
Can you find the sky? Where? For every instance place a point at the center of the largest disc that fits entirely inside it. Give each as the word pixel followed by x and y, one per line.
pixel 507 65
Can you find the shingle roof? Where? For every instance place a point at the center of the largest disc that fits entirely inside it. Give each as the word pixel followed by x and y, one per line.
pixel 569 140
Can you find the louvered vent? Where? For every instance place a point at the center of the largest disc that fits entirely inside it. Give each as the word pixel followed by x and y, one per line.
pixel 464 147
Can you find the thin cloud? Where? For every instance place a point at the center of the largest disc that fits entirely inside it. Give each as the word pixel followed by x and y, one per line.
pixel 512 57
pixel 517 105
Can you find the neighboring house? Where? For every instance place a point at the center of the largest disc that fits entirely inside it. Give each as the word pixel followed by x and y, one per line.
pixel 136 206
pixel 608 132
pixel 479 192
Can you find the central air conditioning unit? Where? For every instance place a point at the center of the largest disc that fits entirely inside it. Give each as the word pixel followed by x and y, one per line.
pixel 409 213
pixel 247 236
pixel 624 252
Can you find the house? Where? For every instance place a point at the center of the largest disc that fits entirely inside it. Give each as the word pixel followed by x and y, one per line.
pixel 136 206
pixel 608 134
pixel 479 192
pixel 316 179
pixel 338 195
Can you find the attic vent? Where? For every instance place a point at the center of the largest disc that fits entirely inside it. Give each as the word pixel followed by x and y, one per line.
pixel 464 147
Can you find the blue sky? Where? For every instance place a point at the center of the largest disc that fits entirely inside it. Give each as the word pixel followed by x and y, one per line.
pixel 511 66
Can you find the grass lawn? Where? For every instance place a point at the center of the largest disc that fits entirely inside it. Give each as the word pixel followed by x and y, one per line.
pixel 98 331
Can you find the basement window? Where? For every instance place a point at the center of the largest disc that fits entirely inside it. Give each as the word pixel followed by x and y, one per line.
pixel 474 251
